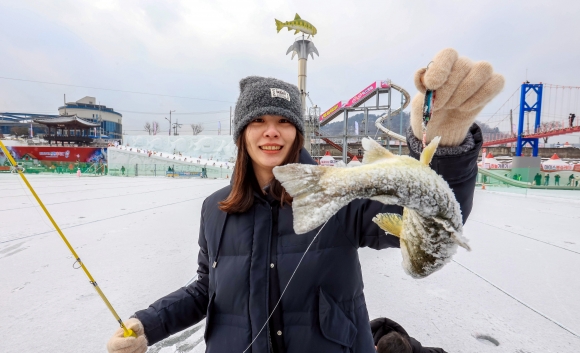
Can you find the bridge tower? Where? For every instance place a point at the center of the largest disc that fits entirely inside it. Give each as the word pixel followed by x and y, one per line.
pixel 528 166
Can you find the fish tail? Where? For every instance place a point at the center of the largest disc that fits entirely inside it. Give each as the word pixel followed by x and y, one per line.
pixel 279 25
pixel 310 204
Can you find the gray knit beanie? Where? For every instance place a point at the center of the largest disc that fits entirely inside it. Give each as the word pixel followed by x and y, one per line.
pixel 267 96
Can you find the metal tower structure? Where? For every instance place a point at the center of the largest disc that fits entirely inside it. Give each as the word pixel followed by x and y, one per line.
pixel 526 107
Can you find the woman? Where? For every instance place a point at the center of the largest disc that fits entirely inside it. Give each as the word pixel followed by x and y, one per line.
pixel 249 251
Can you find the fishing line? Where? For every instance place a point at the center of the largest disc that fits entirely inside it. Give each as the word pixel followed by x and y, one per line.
pixel 519 301
pixel 287 284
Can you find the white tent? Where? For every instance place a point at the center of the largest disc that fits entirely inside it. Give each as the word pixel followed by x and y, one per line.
pixel 354 162
pixel 327 160
pixel 555 163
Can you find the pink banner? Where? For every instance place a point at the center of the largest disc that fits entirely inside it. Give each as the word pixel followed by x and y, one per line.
pixel 362 94
pixel 354 100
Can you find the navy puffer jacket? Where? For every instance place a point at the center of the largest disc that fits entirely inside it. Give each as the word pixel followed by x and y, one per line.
pixel 323 309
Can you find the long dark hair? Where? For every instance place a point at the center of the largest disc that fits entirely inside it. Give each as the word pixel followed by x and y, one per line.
pixel 241 197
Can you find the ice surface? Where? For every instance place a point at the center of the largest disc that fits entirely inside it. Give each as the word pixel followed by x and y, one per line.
pixel 138 237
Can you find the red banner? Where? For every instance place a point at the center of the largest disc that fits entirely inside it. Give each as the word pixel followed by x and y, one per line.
pixel 57 154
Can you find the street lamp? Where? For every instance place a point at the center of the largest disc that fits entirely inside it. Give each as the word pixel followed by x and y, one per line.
pixel 169 124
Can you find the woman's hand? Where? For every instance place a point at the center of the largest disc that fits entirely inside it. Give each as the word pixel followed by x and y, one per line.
pixel 121 344
pixel 462 89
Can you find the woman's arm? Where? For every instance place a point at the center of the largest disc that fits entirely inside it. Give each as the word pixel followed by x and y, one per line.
pixel 184 307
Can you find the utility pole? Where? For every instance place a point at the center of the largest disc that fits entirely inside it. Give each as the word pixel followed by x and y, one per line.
pixel 171 111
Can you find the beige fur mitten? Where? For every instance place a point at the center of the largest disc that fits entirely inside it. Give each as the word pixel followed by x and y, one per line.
pixel 462 89
pixel 120 344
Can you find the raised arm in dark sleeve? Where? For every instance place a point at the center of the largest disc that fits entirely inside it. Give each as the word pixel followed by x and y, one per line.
pixel 184 307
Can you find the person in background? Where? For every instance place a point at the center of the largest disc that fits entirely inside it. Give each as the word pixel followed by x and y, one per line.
pixel 547 179
pixel 557 179
pixel 390 337
pixel 570 180
pixel 122 170
pixel 571 118
pixel 538 179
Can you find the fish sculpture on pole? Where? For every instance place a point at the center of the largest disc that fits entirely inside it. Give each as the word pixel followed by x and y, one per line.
pixel 431 226
pixel 298 24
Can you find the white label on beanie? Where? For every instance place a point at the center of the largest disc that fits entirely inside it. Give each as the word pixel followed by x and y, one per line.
pixel 279 93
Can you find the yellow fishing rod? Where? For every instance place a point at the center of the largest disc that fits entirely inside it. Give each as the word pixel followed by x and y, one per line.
pixel 128 332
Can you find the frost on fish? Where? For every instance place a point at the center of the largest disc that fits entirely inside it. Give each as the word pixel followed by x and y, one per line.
pixel 431 226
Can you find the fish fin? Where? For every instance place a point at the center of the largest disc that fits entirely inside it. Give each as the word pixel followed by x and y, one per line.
pixel 289 29
pixel 297 17
pixel 279 25
pixel 390 222
pixel 374 151
pixel 296 32
pixel 429 151
pixel 310 205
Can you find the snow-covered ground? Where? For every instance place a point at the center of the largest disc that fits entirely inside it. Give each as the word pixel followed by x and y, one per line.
pixel 138 237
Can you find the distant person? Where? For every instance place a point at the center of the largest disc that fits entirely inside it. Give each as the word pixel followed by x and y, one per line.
pixel 538 179
pixel 571 119
pixel 390 337
pixel 557 179
pixel 547 180
pixel 570 180
pixel 122 170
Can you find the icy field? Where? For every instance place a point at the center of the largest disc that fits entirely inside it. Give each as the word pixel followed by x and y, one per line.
pixel 138 237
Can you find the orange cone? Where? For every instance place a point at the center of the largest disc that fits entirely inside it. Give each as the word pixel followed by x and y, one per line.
pixel 482 186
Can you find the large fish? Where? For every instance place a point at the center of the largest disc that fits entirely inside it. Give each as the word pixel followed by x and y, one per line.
pixel 431 225
pixel 298 24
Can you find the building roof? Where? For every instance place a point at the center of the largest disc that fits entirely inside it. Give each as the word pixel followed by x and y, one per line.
pixel 72 120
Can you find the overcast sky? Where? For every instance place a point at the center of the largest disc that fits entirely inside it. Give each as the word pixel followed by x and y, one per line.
pixel 201 49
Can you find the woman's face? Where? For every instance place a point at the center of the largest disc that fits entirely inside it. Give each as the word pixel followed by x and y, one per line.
pixel 268 141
